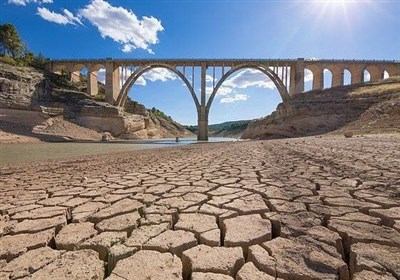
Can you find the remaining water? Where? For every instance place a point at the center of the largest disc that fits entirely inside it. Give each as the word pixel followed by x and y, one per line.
pixel 13 153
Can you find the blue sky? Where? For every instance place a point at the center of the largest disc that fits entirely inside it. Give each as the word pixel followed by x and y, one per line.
pixel 207 29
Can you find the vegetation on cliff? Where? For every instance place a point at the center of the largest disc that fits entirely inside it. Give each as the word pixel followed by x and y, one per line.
pixel 13 50
pixel 223 127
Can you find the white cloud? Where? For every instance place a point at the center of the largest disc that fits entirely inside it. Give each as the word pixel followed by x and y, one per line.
pixel 209 79
pixel 308 76
pixel 154 75
pixel 367 76
pixel 237 97
pixel 66 18
pixel 141 81
pixel 24 2
pixel 122 25
pixel 71 17
pixel 386 75
pixel 101 76
pixel 248 78
pixel 159 74
pixel 222 91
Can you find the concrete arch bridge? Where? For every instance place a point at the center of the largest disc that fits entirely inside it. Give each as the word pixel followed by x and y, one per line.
pixel 288 75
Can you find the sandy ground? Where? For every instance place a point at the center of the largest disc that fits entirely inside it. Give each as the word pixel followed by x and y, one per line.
pixel 307 208
pixel 19 126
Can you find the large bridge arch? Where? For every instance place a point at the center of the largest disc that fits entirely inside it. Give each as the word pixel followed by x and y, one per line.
pixel 263 69
pixel 126 87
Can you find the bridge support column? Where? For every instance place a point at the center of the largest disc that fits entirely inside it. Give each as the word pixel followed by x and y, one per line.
pixel 202 112
pixel 318 81
pixel 357 75
pixel 92 86
pixel 376 75
pixel 75 77
pixel 112 82
pixel 337 78
pixel 297 77
pixel 202 124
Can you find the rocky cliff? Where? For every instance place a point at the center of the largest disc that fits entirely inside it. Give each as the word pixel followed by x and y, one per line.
pixel 46 106
pixel 364 108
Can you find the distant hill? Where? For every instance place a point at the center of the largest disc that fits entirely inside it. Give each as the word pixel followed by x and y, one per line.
pixel 226 129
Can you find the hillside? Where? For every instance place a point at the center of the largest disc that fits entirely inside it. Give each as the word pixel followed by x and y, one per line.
pixel 232 129
pixel 360 109
pixel 38 105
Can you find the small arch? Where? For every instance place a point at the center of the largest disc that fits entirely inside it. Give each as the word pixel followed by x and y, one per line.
pixel 346 77
pixel 308 79
pixel 96 77
pixel 77 71
pixel 386 75
pixel 392 70
pixel 266 70
pixel 366 76
pixel 123 95
pixel 328 78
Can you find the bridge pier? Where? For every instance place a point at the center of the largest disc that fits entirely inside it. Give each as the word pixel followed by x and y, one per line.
pixel 318 80
pixel 202 124
pixel 112 82
pixel 202 111
pixel 337 77
pixel 297 77
pixel 92 86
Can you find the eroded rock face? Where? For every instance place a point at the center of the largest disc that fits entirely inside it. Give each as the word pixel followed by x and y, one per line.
pixel 63 108
pixel 319 112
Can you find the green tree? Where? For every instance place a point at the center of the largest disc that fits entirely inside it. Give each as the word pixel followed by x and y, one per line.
pixel 29 58
pixel 39 61
pixel 10 42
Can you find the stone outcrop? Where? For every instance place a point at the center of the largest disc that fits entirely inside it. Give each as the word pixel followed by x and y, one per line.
pixel 37 103
pixel 360 108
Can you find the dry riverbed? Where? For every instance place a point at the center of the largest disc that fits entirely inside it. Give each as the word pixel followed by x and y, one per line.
pixel 307 208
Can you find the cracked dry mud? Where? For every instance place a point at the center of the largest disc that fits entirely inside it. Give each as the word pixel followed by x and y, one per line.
pixel 311 208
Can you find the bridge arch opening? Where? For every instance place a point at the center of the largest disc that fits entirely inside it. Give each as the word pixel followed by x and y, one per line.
pixel 96 80
pixel 346 77
pixel 161 87
pixel 366 76
pixel 244 93
pixel 78 73
pixel 308 80
pixel 386 75
pixel 327 78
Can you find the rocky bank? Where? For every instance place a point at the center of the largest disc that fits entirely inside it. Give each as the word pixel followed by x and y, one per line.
pixel 40 105
pixel 360 109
